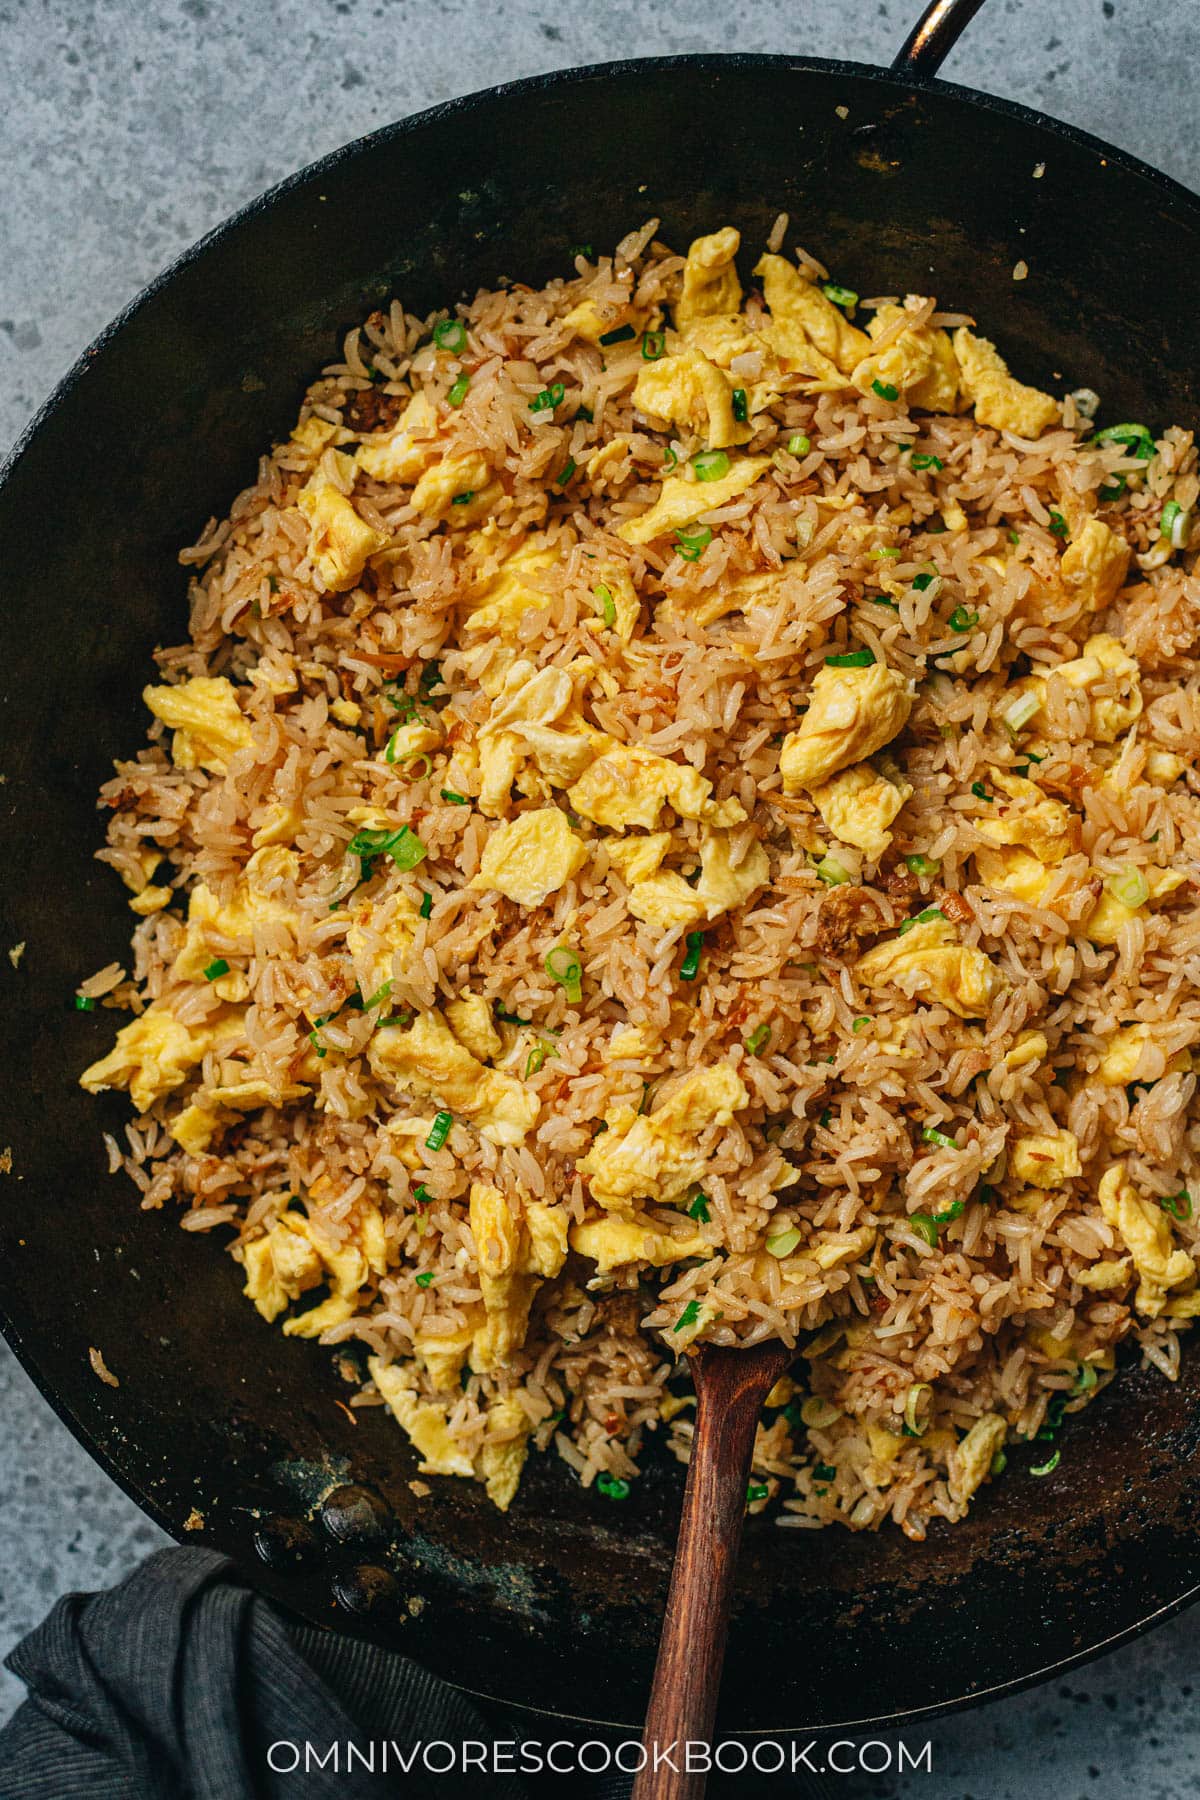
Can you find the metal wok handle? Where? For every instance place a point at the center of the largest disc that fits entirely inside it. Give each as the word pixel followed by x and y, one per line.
pixel 933 37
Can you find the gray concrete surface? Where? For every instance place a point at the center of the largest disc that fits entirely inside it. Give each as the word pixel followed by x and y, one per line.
pixel 130 130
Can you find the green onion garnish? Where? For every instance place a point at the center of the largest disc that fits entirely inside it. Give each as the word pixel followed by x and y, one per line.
pixel 741 406
pixel 451 334
pixel 1021 711
pixel 404 848
pixel 314 1036
pixel 216 969
pixel 825 1117
pixel 535 1059
pixel 798 444
pixel 689 968
pixel 669 460
pixel 885 390
pixel 688 1316
pixel 1136 439
pixel 911 1402
pixel 853 659
pixel 453 799
pixel 564 967
pixel 1049 1466
pixel 463 499
pixel 1058 524
pixel 840 296
pixel 608 605
pixel 459 391
pixel 962 620
pixel 422 1195
pixel 921 582
pixel 586 414
pixel 510 1018
pixel 621 335
pixel 1175 525
pixel 699 1209
pixel 378 997
pixel 710 465
pixel 84 1003
pixel 922 865
pixel 832 873
pixel 439 1131
pixel 758 1040
pixel 922 918
pixel 926 462
pixel 653 345
pixel 981 793
pixel 690 544
pixel 925 1226
pixel 824 1472
pixel 782 1243
pixel 861 1023
pixel 1085 1380
pixel 756 1490
pixel 426 906
pixel 613 1487
pixel 882 600
pixel 1112 490
pixel 548 398
pixel 565 473
pixel 882 553
pixel 1178 1205
pixel 1130 888
pixel 424 1279
pixel 584 250
pixel 930 1136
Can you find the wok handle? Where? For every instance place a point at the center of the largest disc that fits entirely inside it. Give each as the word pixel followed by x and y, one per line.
pixel 933 37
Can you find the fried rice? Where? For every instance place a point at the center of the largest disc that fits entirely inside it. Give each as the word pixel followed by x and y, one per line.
pixel 676 821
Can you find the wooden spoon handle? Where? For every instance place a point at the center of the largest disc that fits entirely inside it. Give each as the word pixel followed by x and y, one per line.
pixel 730 1388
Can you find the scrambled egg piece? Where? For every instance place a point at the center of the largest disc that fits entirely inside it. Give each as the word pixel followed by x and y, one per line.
pixel 1104 661
pixel 295 1256
pixel 655 1156
pixel 443 1355
pixel 514 1252
pixel 531 857
pixel 151 900
pixel 688 389
pixel 998 398
pixel 339 543
pixel 427 1058
pixel 206 719
pixel 927 963
pixel 280 1266
pixel 402 455
pixel 524 709
pixel 1132 1055
pixel 1146 1232
pixel 763 588
pixel 682 499
pixel 587 321
pixel 1103 1277
pixel 194 1129
pixel 638 857
pixel 858 806
pixel 852 713
pixel 710 280
pixel 154 1053
pixel 504 599
pixel 423 1420
pixel 1046 1159
pixel 316 435
pixel 377 932
pixel 627 785
pixel 445 482
pixel 504 1451
pixel 1030 1047
pixel 626 600
pixel 1094 564
pixel 252 904
pixel 472 1023
pixel 1036 823
pixel 631 1043
pixel 920 363
pixel 971 1460
pixel 613 1242
pixel 804 321
pixel 1110 915
pixel 667 900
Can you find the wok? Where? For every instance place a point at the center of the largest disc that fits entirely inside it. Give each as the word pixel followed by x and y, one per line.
pixel 221 1427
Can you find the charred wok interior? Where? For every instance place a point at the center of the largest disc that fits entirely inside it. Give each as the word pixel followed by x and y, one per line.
pixel 224 347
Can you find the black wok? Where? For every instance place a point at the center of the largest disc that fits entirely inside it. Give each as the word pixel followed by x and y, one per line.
pixel 219 1424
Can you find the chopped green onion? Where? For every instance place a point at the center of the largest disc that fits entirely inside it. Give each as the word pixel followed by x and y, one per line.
pixel 853 659
pixel 1136 439
pixel 510 1018
pixel 564 967
pixel 1014 537
pixel 608 605
pixel 922 918
pixel 422 1195
pixel 921 582
pixel 451 334
pixel 782 1243
pixel 925 1225
pixel 1058 525
pixel 911 1402
pixel 824 1472
pixel 1048 1467
pixel 688 1316
pixel 930 1136
pixel 1021 711
pixel 453 799
pixel 584 250
pixel 669 460
pixel 216 969
pixel 885 390
pixel 378 997
pixel 613 1487
pixel 565 473
pixel 825 1117
pixel 586 414
pixel 819 1414
pixel 831 872
pixel 653 345
pixel 922 865
pixel 403 846
pixel 548 398
pixel 926 462
pixel 798 444
pixel 860 1023
pixel 535 1059
pixel 690 544
pixel 314 1036
pixel 699 1209
pixel 880 552
pixel 621 335
pixel 981 793
pixel 758 1040
pixel 882 600
pixel 689 968
pixel 840 296
pixel 710 465
pixel 756 1490
pixel 1085 1380
pixel 999 1463
pixel 439 1131
pixel 463 499
pixel 84 1003
pixel 424 1279
pixel 1178 1205
pixel 1112 490
pixel 962 620
pixel 426 906
pixel 1176 524
pixel 459 391
pixel 1130 888
pixel 741 406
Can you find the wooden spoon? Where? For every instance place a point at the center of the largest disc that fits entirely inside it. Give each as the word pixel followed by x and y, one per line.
pixel 731 1386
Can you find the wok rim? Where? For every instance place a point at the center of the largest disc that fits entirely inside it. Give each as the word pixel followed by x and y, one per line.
pixel 1039 124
